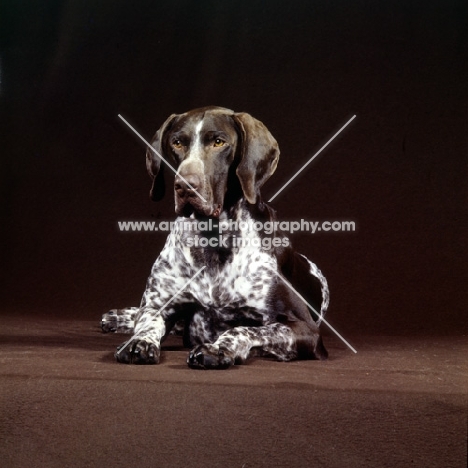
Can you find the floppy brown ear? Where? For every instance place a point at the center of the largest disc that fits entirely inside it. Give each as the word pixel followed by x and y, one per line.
pixel 260 154
pixel 153 161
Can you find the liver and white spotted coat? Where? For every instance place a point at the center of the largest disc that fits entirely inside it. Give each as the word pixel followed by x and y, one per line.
pixel 233 298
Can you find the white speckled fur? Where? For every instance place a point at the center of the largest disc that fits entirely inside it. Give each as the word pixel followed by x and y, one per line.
pixel 236 303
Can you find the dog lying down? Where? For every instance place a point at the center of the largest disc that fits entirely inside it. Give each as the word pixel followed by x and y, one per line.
pixel 233 286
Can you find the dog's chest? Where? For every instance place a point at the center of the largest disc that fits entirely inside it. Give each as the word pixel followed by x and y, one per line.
pixel 244 280
pixel 238 277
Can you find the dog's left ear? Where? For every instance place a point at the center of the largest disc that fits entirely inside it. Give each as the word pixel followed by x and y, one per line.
pixel 260 154
pixel 154 163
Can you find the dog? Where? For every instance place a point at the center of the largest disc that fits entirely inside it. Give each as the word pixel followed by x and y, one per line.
pixel 235 295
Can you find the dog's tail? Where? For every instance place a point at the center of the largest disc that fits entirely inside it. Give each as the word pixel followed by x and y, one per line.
pixel 315 271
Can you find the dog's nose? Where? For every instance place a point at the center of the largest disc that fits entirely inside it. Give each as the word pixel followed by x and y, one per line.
pixel 186 185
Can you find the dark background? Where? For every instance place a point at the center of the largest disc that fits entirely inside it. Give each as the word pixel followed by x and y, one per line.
pixel 70 169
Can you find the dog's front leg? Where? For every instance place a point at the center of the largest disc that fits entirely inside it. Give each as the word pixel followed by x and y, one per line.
pixel 145 345
pixel 235 346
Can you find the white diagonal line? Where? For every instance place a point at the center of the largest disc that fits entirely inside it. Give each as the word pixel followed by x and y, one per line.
pixel 313 309
pixel 165 305
pixel 182 288
pixel 157 154
pixel 312 158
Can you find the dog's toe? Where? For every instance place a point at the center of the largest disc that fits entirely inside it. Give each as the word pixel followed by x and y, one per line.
pixel 209 357
pixel 109 322
pixel 138 352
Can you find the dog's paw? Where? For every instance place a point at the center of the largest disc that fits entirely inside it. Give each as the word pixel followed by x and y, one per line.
pixel 109 322
pixel 138 351
pixel 208 356
pixel 118 321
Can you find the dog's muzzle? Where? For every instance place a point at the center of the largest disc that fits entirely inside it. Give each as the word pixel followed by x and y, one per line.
pixel 185 187
pixel 189 192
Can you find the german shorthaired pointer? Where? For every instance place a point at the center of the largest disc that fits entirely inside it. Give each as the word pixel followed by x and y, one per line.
pixel 239 304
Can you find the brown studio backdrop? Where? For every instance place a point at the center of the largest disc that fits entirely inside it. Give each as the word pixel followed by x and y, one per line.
pixel 70 169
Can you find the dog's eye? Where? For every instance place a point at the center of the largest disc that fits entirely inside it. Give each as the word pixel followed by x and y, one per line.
pixel 177 144
pixel 218 142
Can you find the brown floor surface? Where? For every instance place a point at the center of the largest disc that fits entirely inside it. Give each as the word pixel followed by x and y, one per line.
pixel 64 402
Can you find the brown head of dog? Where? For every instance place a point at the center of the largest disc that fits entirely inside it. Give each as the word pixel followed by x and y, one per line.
pixel 220 156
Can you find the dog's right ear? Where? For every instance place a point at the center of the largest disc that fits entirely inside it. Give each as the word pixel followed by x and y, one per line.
pixel 260 154
pixel 154 163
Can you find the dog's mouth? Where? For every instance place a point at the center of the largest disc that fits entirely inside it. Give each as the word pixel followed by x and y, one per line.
pixel 198 209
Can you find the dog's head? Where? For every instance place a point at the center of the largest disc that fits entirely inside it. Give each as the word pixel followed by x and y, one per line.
pixel 217 153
